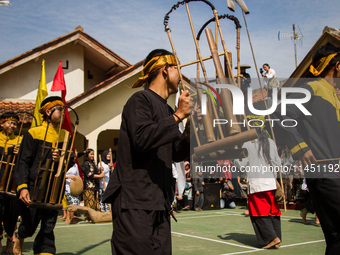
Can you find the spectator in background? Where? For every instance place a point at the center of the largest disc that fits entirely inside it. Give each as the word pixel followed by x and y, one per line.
pixel 225 168
pixel 91 183
pixel 71 174
pixel 270 79
pixel 188 182
pixel 245 80
pixel 243 186
pixel 198 189
pixel 105 167
pixel 227 194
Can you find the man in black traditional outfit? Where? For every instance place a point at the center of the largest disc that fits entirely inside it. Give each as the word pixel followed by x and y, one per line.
pixel 315 141
pixel 141 188
pixel 9 148
pixel 35 151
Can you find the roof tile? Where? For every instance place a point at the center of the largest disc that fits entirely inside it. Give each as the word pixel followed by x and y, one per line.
pixel 19 108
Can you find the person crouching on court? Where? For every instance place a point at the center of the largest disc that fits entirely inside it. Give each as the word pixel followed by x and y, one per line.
pixel 31 155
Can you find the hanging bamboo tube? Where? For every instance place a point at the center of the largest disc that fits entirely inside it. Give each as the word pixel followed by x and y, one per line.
pixel 222 155
pixel 226 143
pixel 225 93
pixel 12 190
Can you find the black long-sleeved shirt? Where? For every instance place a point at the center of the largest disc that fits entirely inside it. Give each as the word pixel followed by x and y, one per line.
pixel 30 154
pixel 319 132
pixel 149 142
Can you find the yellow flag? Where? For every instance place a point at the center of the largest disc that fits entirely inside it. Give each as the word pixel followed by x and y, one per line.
pixel 42 93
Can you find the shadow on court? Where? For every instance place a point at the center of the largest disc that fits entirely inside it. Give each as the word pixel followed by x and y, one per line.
pixel 88 248
pixel 246 239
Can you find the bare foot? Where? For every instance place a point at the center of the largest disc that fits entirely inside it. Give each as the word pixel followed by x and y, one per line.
pixel 18 245
pixel 9 246
pixel 246 212
pixel 276 246
pixel 274 242
pixel 317 221
pixel 303 216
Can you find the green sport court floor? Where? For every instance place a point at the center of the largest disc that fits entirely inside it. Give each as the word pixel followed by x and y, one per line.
pixel 224 231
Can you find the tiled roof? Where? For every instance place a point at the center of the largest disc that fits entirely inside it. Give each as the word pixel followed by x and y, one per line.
pixel 20 108
pixel 257 96
pixel 75 36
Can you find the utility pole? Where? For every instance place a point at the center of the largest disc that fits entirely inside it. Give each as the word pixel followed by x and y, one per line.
pixel 293 36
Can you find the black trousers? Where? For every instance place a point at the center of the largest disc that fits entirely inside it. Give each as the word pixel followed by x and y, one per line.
pixel 199 200
pixel 266 228
pixel 9 213
pixel 44 242
pixel 137 231
pixel 325 193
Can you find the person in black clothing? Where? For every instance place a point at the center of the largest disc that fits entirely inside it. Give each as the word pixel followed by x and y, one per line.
pixel 141 188
pixel 198 189
pixel 91 183
pixel 245 79
pixel 9 148
pixel 35 150
pixel 315 140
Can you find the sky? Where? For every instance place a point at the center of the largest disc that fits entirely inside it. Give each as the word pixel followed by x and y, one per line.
pixel 132 28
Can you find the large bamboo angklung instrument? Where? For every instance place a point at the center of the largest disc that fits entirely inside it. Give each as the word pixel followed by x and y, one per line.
pixel 213 142
pixel 49 183
pixel 7 182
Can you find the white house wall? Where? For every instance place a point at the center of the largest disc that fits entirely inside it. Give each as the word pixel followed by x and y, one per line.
pixel 104 111
pixel 22 82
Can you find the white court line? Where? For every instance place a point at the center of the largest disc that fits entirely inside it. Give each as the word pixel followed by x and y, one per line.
pixel 83 225
pixel 220 214
pixel 283 246
pixel 252 249
pixel 238 214
pixel 241 252
pixel 296 244
pixel 204 216
pixel 213 240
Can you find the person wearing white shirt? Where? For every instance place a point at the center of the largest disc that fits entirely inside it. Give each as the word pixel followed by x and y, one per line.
pixel 263 209
pixel 270 80
pixel 71 174
pixel 104 167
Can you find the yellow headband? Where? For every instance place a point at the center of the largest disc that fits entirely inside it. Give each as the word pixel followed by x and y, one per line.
pixel 323 63
pixel 257 121
pixel 49 105
pixel 153 65
pixel 9 119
